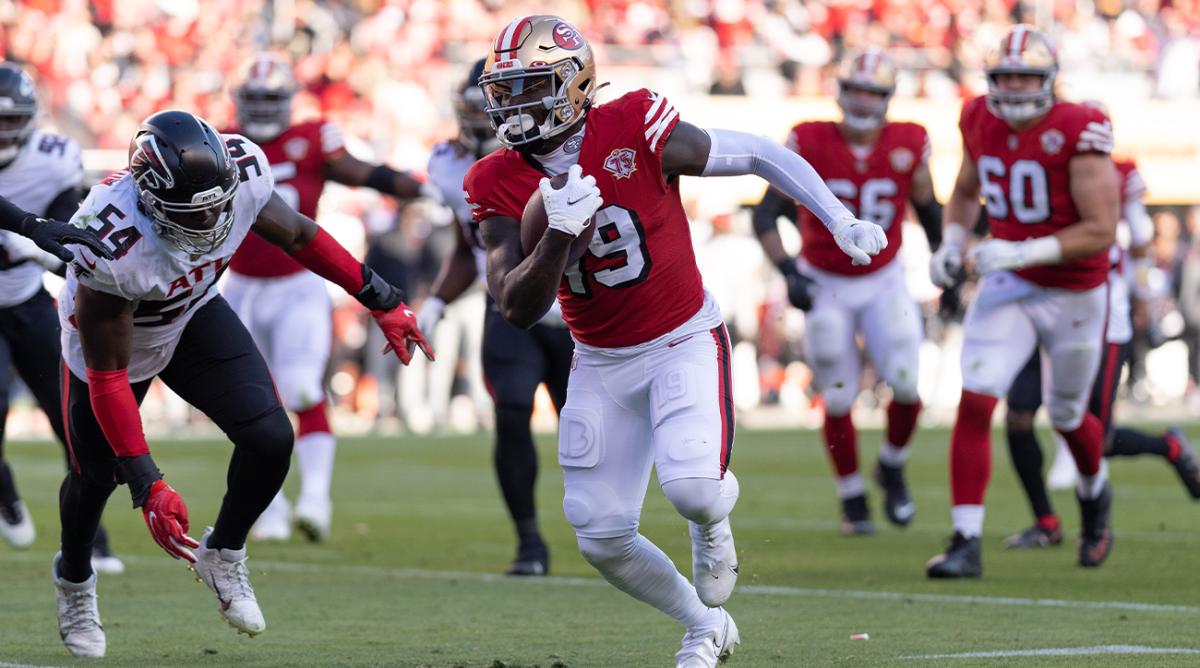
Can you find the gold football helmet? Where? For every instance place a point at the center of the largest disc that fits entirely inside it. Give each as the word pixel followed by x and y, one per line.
pixel 870 71
pixel 1024 50
pixel 538 80
pixel 263 97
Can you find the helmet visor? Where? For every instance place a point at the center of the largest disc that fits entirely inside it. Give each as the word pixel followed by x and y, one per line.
pixel 528 104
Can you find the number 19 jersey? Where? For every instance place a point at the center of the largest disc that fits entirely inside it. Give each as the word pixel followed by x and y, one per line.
pixel 1025 178
pixel 638 280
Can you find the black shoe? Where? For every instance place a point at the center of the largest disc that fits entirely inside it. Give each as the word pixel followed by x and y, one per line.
pixel 856 517
pixel 1185 463
pixel 1096 537
pixel 963 559
pixel 533 559
pixel 1035 536
pixel 897 502
pixel 11 513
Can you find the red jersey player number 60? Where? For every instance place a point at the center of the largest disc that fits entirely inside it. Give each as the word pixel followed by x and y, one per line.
pixel 1028 192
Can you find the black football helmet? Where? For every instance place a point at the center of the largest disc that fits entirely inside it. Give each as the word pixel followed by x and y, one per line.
pixel 474 127
pixel 263 97
pixel 185 180
pixel 18 107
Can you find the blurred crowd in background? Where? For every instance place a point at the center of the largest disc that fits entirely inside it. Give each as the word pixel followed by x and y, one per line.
pixel 385 72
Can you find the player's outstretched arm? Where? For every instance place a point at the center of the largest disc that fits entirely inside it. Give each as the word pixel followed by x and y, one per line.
pixel 524 287
pixel 349 170
pixel 457 273
pixel 50 235
pixel 718 152
pixel 925 205
pixel 105 324
pixel 318 252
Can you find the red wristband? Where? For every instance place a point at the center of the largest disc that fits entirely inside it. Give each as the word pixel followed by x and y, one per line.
pixel 116 411
pixel 326 258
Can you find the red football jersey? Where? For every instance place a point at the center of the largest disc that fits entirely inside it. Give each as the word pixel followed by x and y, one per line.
pixel 1132 185
pixel 638 279
pixel 1025 179
pixel 297 160
pixel 875 188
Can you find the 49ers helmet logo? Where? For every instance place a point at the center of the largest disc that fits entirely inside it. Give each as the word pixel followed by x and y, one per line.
pixel 566 36
pixel 621 162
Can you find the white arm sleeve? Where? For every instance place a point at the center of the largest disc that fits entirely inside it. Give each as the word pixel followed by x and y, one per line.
pixel 735 153
pixel 1141 228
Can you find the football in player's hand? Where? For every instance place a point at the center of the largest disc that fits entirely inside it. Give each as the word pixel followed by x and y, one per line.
pixel 533 225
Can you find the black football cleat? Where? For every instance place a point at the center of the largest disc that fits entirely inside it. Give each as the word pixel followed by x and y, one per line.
pixel 962 559
pixel 897 502
pixel 856 517
pixel 1096 537
pixel 1036 536
pixel 1185 462
pixel 532 560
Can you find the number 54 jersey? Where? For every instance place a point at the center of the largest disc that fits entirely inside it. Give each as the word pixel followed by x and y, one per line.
pixel 165 284
pixel 638 280
pixel 1025 179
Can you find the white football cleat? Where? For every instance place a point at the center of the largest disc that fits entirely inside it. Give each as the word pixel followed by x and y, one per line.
pixel 314 516
pixel 705 648
pixel 16 526
pixel 226 574
pixel 78 615
pixel 275 523
pixel 1063 472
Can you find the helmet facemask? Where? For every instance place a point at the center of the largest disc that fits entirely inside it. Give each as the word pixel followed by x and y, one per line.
pixel 263 115
pixel 528 104
pixel 863 113
pixel 1020 106
pixel 474 125
pixel 197 227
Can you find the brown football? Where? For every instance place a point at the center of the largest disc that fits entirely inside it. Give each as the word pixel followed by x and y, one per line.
pixel 533 225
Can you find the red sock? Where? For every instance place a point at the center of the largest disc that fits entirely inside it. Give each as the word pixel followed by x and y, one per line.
pixel 1087 444
pixel 901 422
pixel 314 419
pixel 1049 522
pixel 1173 448
pixel 841 442
pixel 971 449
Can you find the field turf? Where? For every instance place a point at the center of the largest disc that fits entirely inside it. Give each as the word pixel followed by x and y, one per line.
pixel 408 578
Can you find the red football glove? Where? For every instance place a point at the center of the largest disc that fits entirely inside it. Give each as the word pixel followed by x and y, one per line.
pixel 168 521
pixel 399 325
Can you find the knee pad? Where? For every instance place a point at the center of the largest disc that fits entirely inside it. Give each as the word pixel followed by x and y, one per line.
pixel 593 509
pixel 904 386
pixel 839 398
pixel 604 553
pixel 1066 412
pixel 1072 371
pixel 270 434
pixel 703 500
pixel 300 385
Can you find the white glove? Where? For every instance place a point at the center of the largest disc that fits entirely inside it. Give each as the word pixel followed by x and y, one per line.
pixel 946 262
pixel 1000 255
pixel 570 209
pixel 860 239
pixel 430 314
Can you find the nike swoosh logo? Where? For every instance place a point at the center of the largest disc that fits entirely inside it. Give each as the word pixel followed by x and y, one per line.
pixel 90 264
pixel 679 341
pixel 574 202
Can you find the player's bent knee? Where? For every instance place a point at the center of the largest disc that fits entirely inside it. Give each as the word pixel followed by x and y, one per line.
pixel 269 435
pixel 606 553
pixel 1019 420
pixel 839 398
pixel 1066 413
pixel 702 500
pixel 904 387
pixel 512 423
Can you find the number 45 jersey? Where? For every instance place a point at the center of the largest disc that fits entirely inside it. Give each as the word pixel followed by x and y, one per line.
pixel 874 185
pixel 1025 179
pixel 638 280
pixel 165 284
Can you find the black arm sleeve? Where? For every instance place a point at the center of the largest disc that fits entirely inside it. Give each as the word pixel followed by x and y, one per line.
pixel 12 217
pixel 773 205
pixel 930 216
pixel 382 179
pixel 65 204
pixel 982 227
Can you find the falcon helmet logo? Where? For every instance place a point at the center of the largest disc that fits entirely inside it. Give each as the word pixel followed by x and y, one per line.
pixel 155 176
pixel 621 162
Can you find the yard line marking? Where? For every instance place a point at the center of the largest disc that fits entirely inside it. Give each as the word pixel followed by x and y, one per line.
pixel 752 590
pixel 1061 651
pixel 4 664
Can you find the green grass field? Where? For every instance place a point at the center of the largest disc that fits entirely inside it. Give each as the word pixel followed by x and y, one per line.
pixel 407 579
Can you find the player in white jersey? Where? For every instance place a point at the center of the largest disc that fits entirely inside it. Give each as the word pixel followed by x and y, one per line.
pixel 43 173
pixel 515 360
pixel 172 222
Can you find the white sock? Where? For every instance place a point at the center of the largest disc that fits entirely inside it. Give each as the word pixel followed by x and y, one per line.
pixel 852 485
pixel 891 455
pixel 314 452
pixel 968 520
pixel 637 567
pixel 1090 486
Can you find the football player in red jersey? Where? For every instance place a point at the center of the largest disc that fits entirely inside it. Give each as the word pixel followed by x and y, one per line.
pixel 285 307
pixel 1044 168
pixel 1025 396
pixel 650 383
pixel 877 167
